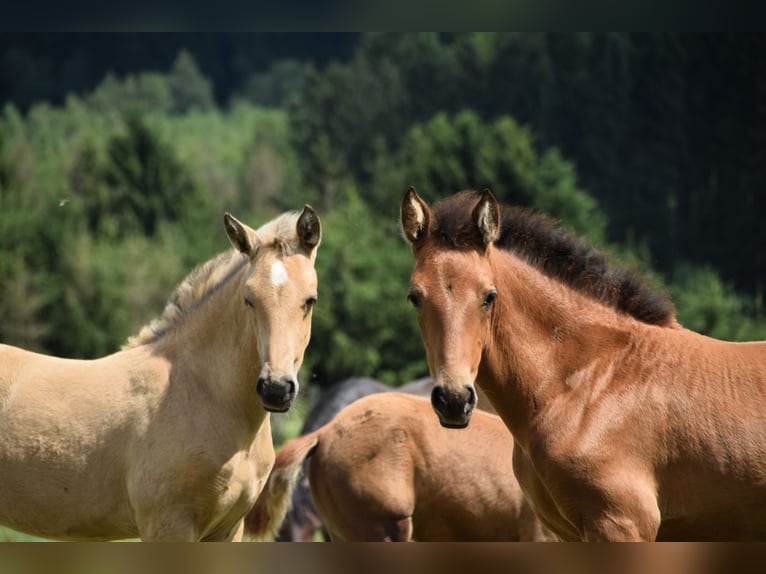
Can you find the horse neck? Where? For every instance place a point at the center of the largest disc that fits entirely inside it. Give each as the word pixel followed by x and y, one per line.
pixel 542 333
pixel 215 349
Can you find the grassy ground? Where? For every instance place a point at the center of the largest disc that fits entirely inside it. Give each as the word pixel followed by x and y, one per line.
pixel 8 535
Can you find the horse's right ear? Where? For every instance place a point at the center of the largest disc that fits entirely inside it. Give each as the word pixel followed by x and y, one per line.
pixel 415 217
pixel 309 228
pixel 486 217
pixel 240 235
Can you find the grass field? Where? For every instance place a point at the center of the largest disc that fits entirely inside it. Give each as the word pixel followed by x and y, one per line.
pixel 8 535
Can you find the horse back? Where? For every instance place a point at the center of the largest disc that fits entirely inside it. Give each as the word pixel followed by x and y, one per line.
pixel 716 401
pixel 67 427
pixel 388 457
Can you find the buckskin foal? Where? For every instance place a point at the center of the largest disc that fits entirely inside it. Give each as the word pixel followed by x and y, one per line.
pixel 167 439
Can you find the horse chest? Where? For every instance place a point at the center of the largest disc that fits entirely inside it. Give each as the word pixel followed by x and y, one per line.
pixel 243 478
pixel 545 503
pixel 238 484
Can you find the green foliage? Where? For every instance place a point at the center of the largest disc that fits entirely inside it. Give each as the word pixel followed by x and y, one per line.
pixel 109 199
pixel 335 116
pixel 707 304
pixel 183 89
pixel 666 130
pixel 362 323
pixel 111 287
pixel 450 153
pixel 278 86
pixel 241 157
pixel 141 92
pixel 101 214
pixel 140 183
pixel 557 193
pixel 189 88
pixel 21 323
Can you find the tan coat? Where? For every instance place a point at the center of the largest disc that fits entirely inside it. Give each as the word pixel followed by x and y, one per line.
pixel 167 439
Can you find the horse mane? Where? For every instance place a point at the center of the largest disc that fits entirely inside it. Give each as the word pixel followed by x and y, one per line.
pixel 205 279
pixel 544 244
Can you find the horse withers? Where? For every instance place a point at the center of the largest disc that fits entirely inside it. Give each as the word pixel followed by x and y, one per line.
pixel 168 438
pixel 383 469
pixel 626 425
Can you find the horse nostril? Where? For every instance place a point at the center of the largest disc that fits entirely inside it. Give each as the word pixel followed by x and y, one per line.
pixel 438 399
pixel 290 388
pixel 470 402
pixel 454 408
pixel 260 385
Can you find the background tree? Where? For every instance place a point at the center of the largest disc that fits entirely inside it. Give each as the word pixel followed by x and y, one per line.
pixel 362 322
pixel 189 88
pixel 111 190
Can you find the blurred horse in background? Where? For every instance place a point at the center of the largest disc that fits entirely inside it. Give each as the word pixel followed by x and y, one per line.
pixel 384 469
pixel 303 522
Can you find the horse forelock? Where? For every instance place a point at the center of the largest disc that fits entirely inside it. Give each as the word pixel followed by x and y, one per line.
pixel 544 244
pixel 205 279
pixel 281 233
pixel 452 224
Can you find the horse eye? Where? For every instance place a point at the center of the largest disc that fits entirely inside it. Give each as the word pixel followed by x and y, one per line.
pixel 248 303
pixel 490 298
pixel 414 300
pixel 310 302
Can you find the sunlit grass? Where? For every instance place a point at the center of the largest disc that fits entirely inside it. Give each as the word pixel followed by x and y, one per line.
pixel 8 535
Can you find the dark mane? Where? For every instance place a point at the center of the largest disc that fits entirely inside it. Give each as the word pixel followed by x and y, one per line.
pixel 541 242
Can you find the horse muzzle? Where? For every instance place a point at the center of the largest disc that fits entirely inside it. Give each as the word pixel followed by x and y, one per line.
pixel 277 395
pixel 453 409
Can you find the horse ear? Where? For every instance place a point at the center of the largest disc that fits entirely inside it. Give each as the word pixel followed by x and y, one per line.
pixel 241 236
pixel 486 216
pixel 415 217
pixel 309 228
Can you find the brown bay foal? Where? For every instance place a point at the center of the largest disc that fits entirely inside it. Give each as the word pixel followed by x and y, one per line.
pixel 626 425
pixel 385 470
pixel 168 439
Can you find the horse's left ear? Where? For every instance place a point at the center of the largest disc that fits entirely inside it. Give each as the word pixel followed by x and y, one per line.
pixel 241 236
pixel 486 216
pixel 309 228
pixel 415 217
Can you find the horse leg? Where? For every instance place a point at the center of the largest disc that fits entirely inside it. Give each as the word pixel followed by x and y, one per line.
pixel 377 529
pixel 399 531
pixel 629 514
pixel 170 526
pixel 541 503
pixel 236 533
pixel 532 528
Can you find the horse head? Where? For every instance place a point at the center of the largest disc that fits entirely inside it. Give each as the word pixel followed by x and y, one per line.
pixel 452 290
pixel 278 294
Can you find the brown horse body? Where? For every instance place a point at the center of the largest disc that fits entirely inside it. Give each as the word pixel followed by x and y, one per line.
pixel 169 438
pixel 385 470
pixel 302 522
pixel 626 425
